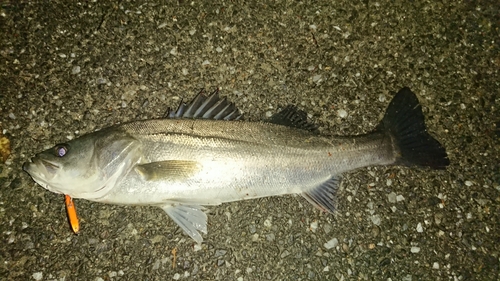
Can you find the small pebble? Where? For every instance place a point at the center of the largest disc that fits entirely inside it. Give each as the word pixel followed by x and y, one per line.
pixel 415 249
pixel 285 254
pixel 255 237
pixel 314 226
pixel 220 253
pixel 197 247
pixel 37 275
pixel 270 237
pixel 392 197
pixel 75 70
pixel 420 228
pixel 327 228
pixel 252 228
pixel 156 265
pixel 376 220
pixel 331 244
pixel 342 113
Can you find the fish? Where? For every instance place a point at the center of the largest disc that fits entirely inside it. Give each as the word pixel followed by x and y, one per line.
pixel 205 154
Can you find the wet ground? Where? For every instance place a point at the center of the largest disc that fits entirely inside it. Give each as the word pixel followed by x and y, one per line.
pixel 70 68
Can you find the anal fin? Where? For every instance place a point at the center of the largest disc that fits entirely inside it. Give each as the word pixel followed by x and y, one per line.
pixel 190 218
pixel 323 196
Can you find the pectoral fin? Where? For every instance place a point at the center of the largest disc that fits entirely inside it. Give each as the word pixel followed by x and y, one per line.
pixel 170 169
pixel 323 196
pixel 190 218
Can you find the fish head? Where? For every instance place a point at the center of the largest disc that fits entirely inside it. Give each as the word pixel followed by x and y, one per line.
pixel 86 167
pixel 64 167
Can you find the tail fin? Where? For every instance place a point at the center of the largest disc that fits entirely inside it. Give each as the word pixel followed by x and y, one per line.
pixel 404 120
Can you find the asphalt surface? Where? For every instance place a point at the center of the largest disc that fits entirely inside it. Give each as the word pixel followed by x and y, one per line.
pixel 71 68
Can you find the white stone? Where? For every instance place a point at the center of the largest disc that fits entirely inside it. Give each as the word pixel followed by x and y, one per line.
pixel 331 244
pixel 420 228
pixel 415 249
pixel 435 265
pixel 37 275
pixel 342 113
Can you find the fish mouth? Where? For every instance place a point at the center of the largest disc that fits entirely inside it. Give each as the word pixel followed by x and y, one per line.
pixel 41 166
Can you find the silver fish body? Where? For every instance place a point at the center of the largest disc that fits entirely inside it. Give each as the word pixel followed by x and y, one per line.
pixel 181 164
pixel 218 162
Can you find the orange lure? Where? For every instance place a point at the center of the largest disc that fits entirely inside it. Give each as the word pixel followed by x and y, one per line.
pixel 71 210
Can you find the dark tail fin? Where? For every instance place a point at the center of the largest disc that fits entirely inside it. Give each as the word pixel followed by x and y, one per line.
pixel 404 120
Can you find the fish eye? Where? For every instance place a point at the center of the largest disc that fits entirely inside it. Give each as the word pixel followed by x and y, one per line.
pixel 61 150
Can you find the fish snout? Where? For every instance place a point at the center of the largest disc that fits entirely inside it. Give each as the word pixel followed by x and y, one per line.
pixel 27 166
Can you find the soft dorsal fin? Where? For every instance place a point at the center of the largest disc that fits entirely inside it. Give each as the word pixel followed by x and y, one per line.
pixel 206 107
pixel 293 117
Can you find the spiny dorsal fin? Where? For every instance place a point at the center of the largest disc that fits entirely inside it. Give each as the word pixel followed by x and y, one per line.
pixel 206 107
pixel 293 117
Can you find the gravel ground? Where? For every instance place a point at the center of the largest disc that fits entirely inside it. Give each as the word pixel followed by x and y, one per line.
pixel 71 68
